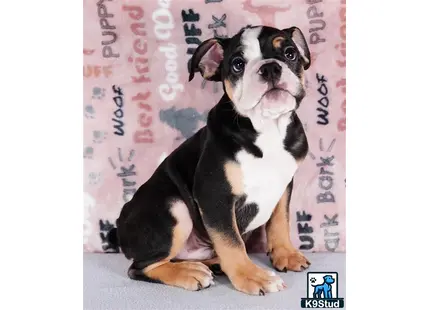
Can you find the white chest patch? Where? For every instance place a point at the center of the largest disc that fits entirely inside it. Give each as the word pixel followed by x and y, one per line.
pixel 265 179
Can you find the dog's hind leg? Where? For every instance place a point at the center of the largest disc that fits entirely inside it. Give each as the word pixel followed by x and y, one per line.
pixel 154 235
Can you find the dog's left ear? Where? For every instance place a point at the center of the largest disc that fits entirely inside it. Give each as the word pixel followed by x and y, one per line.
pixel 207 59
pixel 299 40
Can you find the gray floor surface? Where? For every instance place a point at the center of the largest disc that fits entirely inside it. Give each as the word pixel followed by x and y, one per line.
pixel 106 287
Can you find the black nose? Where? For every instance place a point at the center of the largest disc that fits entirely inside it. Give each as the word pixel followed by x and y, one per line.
pixel 270 72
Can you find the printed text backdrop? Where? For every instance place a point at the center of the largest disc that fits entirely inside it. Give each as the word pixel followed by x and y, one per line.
pixel 138 104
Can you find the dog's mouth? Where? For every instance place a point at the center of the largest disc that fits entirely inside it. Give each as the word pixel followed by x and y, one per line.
pixel 275 93
pixel 273 100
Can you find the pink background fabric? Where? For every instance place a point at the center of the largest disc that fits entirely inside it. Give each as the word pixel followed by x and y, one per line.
pixel 135 78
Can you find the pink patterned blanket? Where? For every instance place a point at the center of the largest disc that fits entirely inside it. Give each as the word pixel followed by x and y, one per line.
pixel 139 105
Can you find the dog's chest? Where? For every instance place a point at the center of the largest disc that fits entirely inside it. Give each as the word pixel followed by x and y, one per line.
pixel 265 179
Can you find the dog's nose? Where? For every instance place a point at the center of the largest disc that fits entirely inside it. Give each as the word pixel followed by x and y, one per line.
pixel 271 71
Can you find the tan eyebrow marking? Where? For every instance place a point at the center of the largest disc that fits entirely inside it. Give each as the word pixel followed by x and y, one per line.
pixel 277 42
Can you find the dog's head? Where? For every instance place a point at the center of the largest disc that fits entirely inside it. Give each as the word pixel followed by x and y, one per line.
pixel 328 279
pixel 261 68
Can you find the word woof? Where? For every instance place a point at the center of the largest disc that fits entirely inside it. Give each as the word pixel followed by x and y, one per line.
pixel 119 111
pixel 323 102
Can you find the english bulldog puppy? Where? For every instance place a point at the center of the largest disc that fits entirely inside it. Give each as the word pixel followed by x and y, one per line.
pixel 233 176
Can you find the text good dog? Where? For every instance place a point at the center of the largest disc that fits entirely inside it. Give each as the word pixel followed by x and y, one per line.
pixel 233 176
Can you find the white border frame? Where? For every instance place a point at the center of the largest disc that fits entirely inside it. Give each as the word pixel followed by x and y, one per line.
pixel 387 142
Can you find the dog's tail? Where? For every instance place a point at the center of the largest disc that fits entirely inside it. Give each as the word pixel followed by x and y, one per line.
pixel 112 237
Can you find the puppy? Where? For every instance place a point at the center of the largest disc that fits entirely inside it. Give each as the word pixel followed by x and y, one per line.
pixel 231 177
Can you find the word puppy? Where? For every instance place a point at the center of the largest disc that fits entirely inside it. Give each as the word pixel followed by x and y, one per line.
pixel 194 213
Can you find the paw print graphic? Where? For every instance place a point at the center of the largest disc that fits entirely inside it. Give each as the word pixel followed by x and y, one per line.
pixel 99 136
pixel 99 93
pixel 89 111
pixel 88 152
pixel 313 280
pixel 94 178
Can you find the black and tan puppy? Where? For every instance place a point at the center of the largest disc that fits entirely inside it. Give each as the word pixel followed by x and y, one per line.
pixel 233 176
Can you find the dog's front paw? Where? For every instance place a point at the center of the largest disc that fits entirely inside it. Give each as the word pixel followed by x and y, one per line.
pixel 284 259
pixel 251 279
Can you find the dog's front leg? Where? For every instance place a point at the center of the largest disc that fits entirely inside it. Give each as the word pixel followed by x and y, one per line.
pixel 245 276
pixel 216 191
pixel 282 253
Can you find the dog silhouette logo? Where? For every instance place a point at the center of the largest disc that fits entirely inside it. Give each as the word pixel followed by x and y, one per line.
pixel 322 291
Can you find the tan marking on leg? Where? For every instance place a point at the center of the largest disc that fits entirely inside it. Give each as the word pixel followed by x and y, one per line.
pixel 282 252
pixel 188 275
pixel 183 229
pixel 242 272
pixel 191 276
pixel 181 232
pixel 234 176
pixel 277 228
pixel 231 255
pixel 228 89
pixel 277 42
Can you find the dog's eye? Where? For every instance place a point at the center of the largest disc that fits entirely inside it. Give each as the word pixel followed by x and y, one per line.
pixel 290 53
pixel 238 64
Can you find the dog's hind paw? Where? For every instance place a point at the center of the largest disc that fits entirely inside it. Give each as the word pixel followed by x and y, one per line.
pixel 192 276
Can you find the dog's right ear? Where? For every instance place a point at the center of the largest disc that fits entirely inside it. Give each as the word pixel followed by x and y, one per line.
pixel 207 59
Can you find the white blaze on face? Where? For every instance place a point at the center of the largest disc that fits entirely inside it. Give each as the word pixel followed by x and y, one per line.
pixel 244 96
pixel 249 40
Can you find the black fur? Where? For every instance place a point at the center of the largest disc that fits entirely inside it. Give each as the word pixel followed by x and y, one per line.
pixel 295 141
pixel 245 215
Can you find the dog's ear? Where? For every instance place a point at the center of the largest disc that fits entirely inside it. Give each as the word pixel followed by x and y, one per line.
pixel 207 59
pixel 299 40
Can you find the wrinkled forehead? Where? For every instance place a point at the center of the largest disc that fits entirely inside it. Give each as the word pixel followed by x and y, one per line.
pixel 256 43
